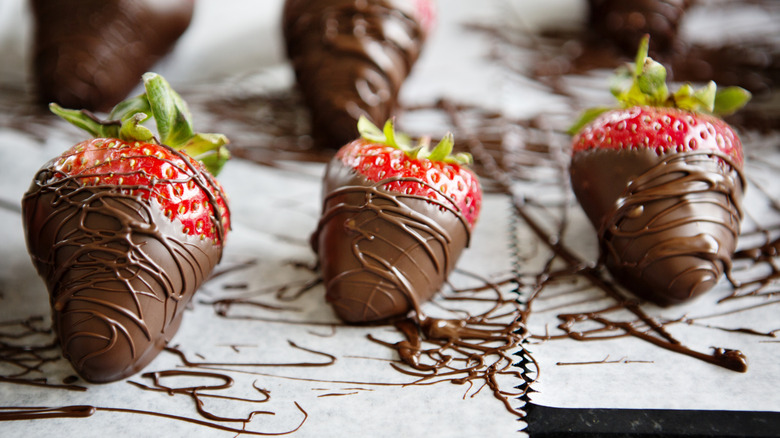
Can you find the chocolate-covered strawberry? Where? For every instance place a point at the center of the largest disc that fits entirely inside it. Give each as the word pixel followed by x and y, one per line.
pixel 624 23
pixel 124 228
pixel 661 180
pixel 351 58
pixel 90 53
pixel 395 220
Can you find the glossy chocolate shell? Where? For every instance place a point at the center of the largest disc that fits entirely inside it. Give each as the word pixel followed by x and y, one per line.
pixel 119 273
pixel 382 254
pixel 667 224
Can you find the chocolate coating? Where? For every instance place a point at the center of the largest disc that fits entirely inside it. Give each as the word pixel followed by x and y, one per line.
pixel 118 272
pixel 350 58
pixel 89 54
pixel 381 253
pixel 626 22
pixel 667 225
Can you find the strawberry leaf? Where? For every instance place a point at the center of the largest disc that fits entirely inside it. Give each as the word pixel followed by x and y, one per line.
pixel 443 149
pixel 684 98
pixel 644 84
pixel 87 121
pixel 464 158
pixel 586 117
pixel 388 136
pixel 729 100
pixel 652 82
pixel 706 96
pixel 133 130
pixel 169 110
pixel 129 107
pixel 369 131
pixel 170 114
pixel 208 149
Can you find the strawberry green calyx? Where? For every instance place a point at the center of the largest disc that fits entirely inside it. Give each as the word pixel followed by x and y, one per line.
pixel 388 136
pixel 171 116
pixel 644 84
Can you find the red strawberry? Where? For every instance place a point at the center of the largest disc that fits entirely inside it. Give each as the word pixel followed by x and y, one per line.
pixel 351 58
pixel 124 229
pixel 395 220
pixel 662 183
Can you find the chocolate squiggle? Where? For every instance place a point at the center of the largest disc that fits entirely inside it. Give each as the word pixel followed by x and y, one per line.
pixel 383 253
pixel 670 234
pixel 119 273
pixel 350 58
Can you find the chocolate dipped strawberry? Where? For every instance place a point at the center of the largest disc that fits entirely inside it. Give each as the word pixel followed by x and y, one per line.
pixel 124 228
pixel 624 23
pixel 90 53
pixel 351 58
pixel 395 220
pixel 661 180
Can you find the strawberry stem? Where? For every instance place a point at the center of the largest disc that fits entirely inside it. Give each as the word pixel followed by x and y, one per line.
pixel 170 114
pixel 388 136
pixel 645 85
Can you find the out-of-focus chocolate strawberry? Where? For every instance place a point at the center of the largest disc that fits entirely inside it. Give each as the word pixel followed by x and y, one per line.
pixel 351 58
pixel 624 22
pixel 90 53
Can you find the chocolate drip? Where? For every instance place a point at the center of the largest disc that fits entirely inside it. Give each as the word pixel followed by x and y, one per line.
pixel 119 273
pixel 194 392
pixel 83 411
pixel 383 253
pixel 12 414
pixel 350 58
pixel 90 54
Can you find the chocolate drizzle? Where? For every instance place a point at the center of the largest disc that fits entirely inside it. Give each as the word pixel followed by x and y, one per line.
pixel 382 254
pixel 670 234
pixel 466 349
pixel 118 272
pixel 350 58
